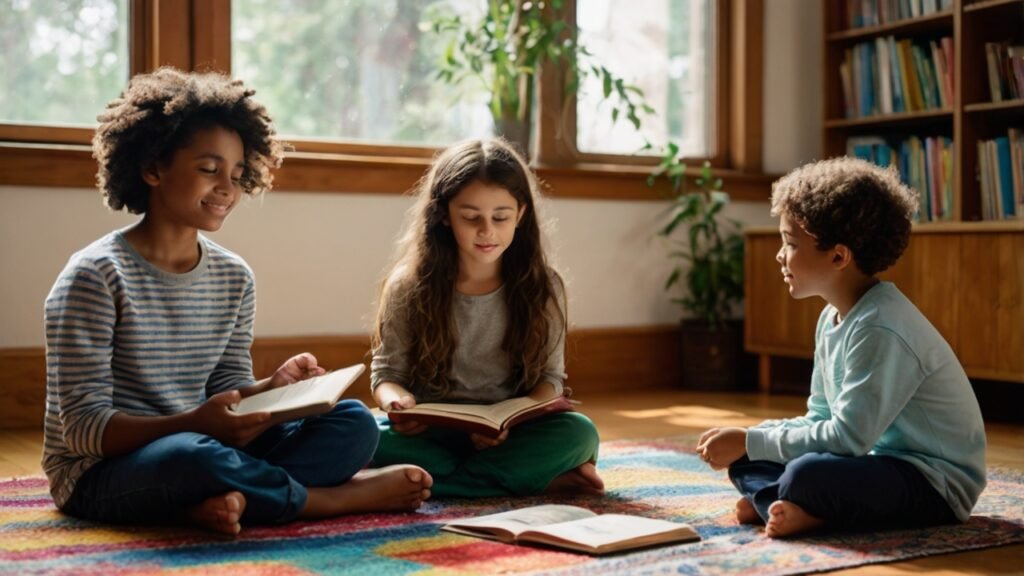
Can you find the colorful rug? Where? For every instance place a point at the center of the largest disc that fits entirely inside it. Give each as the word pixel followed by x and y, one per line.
pixel 660 479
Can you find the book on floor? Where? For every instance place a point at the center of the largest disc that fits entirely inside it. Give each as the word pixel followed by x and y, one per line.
pixel 574 528
pixel 487 419
pixel 308 397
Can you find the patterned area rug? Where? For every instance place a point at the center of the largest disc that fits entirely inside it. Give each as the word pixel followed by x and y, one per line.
pixel 661 479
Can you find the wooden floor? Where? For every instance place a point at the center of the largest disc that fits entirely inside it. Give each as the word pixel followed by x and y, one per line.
pixel 654 414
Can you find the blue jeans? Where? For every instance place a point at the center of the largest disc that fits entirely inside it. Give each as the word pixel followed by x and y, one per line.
pixel 854 492
pixel 159 481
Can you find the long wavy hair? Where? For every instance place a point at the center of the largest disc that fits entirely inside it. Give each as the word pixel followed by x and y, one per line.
pixel 418 291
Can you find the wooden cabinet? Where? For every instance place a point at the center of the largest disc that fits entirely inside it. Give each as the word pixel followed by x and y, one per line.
pixel 967 279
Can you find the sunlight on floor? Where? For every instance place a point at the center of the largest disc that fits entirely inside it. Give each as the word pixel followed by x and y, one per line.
pixel 691 416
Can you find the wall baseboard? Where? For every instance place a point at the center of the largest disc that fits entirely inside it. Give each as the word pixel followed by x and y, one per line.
pixel 597 359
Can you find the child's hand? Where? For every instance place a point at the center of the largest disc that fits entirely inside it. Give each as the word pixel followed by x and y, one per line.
pixel 296 368
pixel 215 419
pixel 409 427
pixel 481 442
pixel 720 447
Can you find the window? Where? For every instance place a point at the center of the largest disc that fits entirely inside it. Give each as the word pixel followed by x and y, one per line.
pixel 352 84
pixel 354 70
pixel 62 61
pixel 665 48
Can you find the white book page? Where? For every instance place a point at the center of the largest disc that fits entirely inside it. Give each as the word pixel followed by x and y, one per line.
pixel 318 390
pixel 517 521
pixel 606 529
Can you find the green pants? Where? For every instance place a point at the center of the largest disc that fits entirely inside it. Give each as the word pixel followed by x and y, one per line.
pixel 534 454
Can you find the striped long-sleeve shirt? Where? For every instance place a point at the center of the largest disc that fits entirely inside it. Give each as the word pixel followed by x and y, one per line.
pixel 124 336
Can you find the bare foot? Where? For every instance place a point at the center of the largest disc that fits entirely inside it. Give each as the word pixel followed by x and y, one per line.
pixel 582 479
pixel 787 519
pixel 746 514
pixel 393 488
pixel 220 513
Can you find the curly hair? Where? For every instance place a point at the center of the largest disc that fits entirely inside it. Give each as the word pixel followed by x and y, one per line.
pixel 159 113
pixel 420 286
pixel 851 202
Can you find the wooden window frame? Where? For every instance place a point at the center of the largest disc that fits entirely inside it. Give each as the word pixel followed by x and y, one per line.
pixel 195 35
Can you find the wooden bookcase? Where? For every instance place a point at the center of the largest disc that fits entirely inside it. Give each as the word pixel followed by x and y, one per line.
pixel 966 275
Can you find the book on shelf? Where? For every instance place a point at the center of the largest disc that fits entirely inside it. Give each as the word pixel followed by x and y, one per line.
pixel 1001 176
pixel 487 419
pixel 886 75
pixel 924 164
pixel 574 528
pixel 864 13
pixel 301 399
pixel 1005 66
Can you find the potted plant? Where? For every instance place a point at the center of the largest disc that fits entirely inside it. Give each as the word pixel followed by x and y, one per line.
pixel 708 274
pixel 506 48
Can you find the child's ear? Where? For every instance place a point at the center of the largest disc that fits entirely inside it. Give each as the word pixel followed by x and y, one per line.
pixel 151 175
pixel 842 256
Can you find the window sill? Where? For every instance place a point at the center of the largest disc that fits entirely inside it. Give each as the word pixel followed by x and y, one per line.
pixel 72 166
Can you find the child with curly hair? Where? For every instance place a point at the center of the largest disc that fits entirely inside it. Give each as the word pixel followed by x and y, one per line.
pixel 148 331
pixel 473 313
pixel 893 434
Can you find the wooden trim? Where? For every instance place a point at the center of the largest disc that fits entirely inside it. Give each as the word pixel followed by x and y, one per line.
pixel 927 23
pixel 746 85
pixel 142 50
pixel 72 166
pixel 23 392
pixel 59 166
pixel 172 36
pixel 211 35
pixel 311 172
pixel 988 226
pixel 597 360
pixel 986 4
pixel 49 134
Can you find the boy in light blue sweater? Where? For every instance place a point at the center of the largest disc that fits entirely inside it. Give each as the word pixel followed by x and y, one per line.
pixel 893 435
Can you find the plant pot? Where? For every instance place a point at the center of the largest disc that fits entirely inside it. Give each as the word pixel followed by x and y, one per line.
pixel 713 358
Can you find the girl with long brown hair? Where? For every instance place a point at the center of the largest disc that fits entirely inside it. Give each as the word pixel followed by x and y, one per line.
pixel 472 312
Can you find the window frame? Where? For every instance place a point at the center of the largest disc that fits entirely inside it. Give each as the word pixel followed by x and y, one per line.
pixel 195 35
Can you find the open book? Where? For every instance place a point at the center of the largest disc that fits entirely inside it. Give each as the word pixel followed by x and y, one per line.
pixel 574 528
pixel 304 398
pixel 487 419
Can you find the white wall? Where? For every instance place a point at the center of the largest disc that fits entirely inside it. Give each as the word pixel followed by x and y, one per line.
pixel 793 105
pixel 318 257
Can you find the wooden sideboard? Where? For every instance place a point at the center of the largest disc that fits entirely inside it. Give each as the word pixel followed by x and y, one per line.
pixel 967 278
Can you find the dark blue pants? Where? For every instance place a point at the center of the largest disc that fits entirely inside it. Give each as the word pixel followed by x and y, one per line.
pixel 845 491
pixel 158 482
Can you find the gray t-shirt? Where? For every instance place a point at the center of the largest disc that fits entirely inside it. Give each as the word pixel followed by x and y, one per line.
pixel 480 371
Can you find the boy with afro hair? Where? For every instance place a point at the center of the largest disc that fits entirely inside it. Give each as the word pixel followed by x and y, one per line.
pixel 148 331
pixel 893 435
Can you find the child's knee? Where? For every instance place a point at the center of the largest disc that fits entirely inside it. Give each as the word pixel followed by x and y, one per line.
pixel 580 433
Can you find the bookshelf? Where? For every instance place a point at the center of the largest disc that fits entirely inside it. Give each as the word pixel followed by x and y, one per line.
pixel 965 271
pixel 972 115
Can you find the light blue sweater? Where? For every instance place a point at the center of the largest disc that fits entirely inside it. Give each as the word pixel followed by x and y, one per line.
pixel 886 383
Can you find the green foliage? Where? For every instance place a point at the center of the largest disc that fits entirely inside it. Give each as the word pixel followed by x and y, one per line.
pixel 359 69
pixel 61 61
pixel 709 257
pixel 505 49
